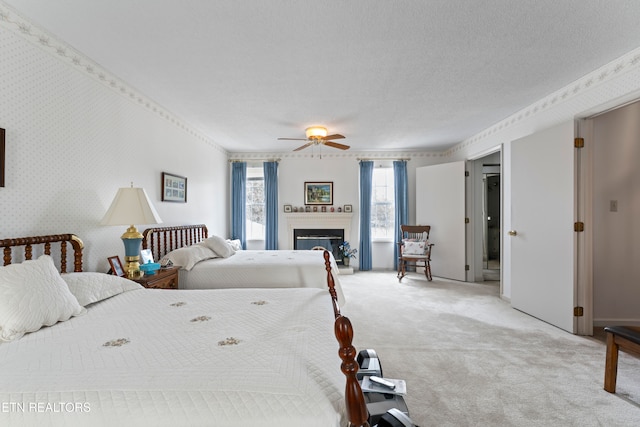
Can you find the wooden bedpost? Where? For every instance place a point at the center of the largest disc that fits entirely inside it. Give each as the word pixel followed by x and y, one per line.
pixel 331 283
pixel 63 256
pixel 356 406
pixel 77 245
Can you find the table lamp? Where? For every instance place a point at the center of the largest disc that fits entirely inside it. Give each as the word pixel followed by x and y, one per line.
pixel 131 206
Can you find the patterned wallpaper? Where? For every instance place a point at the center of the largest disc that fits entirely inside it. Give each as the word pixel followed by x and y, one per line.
pixel 72 141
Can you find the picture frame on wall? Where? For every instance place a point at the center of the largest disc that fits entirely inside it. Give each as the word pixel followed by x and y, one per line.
pixel 348 208
pixel 116 266
pixel 318 193
pixel 174 188
pixel 287 208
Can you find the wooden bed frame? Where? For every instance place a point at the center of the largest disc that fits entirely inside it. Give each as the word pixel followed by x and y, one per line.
pixel 162 240
pixel 356 407
pixel 28 242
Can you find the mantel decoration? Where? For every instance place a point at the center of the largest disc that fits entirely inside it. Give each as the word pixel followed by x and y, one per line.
pixel 347 253
pixel 318 193
pixel 174 188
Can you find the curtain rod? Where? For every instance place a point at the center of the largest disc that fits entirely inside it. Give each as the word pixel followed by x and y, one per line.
pixel 253 160
pixel 382 158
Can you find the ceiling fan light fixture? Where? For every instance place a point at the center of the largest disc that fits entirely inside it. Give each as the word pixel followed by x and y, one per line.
pixel 316 132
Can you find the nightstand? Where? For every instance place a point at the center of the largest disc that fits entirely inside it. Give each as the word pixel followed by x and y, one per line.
pixel 165 278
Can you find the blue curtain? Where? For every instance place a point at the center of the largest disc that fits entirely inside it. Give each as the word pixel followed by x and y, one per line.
pixel 366 185
pixel 401 192
pixel 238 198
pixel 271 204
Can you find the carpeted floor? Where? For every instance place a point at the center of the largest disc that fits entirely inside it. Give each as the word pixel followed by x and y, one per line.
pixel 469 359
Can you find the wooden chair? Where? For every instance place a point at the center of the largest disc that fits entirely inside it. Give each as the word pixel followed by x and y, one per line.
pixel 414 249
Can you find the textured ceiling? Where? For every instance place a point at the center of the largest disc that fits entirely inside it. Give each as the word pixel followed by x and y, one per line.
pixel 389 75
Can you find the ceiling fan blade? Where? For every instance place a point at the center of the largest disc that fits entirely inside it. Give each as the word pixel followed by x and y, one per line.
pixel 304 146
pixel 336 145
pixel 334 136
pixel 292 139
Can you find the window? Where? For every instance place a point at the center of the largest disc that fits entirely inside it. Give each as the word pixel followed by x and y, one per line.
pixel 255 204
pixel 382 204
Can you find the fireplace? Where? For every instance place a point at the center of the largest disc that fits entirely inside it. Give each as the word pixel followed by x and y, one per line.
pixel 323 223
pixel 310 238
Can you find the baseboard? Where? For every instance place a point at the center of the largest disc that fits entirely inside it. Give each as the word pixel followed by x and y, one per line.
pixel 613 322
pixel 345 270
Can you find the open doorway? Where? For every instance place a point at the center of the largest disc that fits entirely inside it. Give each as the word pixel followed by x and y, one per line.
pixel 486 208
pixel 491 222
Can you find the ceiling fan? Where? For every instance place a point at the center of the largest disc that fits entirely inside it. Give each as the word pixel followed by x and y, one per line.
pixel 317 135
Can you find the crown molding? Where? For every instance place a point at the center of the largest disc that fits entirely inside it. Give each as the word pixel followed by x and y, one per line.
pixel 334 154
pixel 603 75
pixel 14 22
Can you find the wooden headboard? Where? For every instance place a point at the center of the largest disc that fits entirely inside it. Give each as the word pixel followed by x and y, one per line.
pixel 28 242
pixel 162 240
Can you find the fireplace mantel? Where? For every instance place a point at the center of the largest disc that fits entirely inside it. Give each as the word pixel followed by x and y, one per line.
pixel 320 220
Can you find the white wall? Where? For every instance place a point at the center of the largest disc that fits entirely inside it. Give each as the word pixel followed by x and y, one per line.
pixel 611 85
pixel 73 138
pixel 343 169
pixel 616 150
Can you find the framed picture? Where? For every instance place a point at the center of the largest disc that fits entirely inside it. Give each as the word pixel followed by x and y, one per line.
pixel 348 208
pixel 116 266
pixel 1 157
pixel 318 193
pixel 146 256
pixel 287 208
pixel 174 188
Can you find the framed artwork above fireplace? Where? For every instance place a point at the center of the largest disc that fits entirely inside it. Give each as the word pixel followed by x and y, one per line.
pixel 318 193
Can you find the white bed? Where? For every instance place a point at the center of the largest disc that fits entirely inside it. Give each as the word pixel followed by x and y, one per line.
pixel 241 268
pixel 284 370
pixel 116 354
pixel 266 269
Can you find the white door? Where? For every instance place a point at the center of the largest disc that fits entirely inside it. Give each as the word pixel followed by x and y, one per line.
pixel 440 203
pixel 542 216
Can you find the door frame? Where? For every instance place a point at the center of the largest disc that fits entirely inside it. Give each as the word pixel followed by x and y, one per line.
pixel 584 240
pixel 474 213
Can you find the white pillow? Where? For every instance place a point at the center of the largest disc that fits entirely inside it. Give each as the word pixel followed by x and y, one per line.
pixel 235 244
pixel 33 295
pixel 414 248
pixel 93 287
pixel 219 245
pixel 189 256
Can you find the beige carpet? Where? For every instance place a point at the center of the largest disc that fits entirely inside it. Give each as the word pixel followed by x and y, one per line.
pixel 469 359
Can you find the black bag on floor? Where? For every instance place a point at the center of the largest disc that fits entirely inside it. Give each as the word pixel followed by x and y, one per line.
pixel 395 418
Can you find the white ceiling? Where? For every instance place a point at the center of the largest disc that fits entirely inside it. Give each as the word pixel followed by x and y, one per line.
pixel 389 75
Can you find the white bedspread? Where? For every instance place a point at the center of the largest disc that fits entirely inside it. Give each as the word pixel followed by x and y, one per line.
pixel 231 357
pixel 262 269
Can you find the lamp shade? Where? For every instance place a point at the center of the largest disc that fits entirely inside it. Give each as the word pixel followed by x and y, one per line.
pixel 131 206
